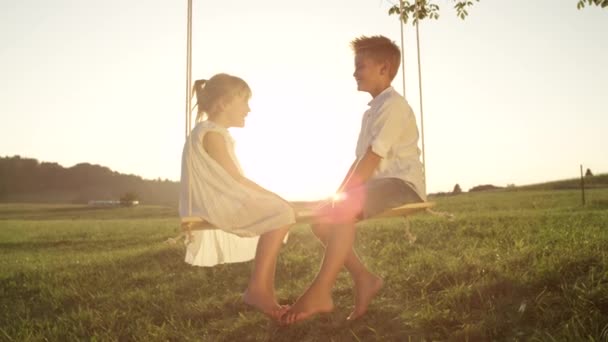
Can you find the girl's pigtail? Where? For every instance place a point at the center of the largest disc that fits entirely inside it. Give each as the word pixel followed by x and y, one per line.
pixel 197 89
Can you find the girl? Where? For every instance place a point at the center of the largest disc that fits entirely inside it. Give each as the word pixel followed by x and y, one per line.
pixel 214 188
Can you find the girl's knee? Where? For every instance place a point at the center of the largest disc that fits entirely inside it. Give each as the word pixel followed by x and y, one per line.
pixel 278 232
pixel 285 229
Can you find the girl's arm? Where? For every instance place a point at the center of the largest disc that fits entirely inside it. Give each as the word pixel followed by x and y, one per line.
pixel 215 145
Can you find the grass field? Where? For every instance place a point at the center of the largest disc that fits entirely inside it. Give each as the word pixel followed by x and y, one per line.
pixel 526 265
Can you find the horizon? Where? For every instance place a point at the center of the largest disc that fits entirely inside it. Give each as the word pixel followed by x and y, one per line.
pixel 513 94
pixel 594 174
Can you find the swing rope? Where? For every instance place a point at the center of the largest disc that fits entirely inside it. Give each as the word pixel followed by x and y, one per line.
pixel 401 25
pixel 189 112
pixel 402 45
pixel 447 215
pixel 420 96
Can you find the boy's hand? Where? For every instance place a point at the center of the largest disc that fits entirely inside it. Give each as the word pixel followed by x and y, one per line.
pixel 326 207
pixel 321 205
pixel 322 208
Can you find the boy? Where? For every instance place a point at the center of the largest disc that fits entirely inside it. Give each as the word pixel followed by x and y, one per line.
pixel 387 173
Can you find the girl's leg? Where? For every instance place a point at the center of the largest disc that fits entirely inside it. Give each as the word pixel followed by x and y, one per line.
pixel 317 298
pixel 367 284
pixel 260 291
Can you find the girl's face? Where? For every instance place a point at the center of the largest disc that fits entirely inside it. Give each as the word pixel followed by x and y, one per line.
pixel 236 111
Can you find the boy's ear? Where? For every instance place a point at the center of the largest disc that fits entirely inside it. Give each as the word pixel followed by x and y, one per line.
pixel 385 67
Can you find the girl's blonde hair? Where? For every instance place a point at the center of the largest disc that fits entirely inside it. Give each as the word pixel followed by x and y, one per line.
pixel 218 90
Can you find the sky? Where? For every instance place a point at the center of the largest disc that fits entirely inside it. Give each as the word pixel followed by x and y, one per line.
pixel 514 94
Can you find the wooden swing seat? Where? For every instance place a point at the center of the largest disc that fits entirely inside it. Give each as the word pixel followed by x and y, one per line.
pixel 191 223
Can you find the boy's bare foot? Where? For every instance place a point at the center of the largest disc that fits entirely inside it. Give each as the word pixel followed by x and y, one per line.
pixel 365 291
pixel 309 304
pixel 267 304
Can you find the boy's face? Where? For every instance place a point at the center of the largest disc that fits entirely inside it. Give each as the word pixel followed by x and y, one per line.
pixel 371 76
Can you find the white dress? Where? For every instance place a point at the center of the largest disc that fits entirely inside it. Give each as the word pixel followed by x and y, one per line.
pixel 240 213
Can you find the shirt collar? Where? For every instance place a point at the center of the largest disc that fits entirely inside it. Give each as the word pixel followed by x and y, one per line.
pixel 381 97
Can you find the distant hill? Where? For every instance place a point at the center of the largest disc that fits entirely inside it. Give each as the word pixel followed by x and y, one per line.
pixel 485 187
pixel 28 180
pixel 591 182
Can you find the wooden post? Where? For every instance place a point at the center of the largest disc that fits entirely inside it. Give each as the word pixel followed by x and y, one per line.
pixel 582 185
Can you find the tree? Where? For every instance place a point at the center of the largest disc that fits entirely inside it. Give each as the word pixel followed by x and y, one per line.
pixel 588 173
pixel 422 9
pixel 128 199
pixel 582 3
pixel 457 190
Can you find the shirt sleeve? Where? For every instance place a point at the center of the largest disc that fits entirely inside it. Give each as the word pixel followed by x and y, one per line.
pixel 388 128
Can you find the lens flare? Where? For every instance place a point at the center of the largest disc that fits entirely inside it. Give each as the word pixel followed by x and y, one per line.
pixel 337 197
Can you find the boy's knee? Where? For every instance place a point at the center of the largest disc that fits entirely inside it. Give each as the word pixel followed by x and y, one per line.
pixel 347 226
pixel 319 229
pixel 340 217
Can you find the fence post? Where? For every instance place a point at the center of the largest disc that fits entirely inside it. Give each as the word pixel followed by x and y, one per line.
pixel 582 185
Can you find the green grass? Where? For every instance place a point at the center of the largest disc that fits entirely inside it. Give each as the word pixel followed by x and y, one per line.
pixel 526 265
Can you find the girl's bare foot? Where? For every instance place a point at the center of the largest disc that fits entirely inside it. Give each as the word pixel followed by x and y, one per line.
pixel 265 303
pixel 365 290
pixel 309 304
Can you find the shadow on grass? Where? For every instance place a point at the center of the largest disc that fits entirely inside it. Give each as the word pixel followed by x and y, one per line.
pixel 76 245
pixel 88 212
pixel 209 299
pixel 157 286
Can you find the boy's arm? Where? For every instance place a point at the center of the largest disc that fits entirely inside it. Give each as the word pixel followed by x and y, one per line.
pixel 359 172
pixel 390 121
pixel 362 171
pixel 215 145
pixel 347 176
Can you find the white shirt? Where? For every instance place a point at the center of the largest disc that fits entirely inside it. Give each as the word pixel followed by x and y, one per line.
pixel 389 127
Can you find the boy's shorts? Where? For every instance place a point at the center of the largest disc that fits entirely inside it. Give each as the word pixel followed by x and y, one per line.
pixel 370 199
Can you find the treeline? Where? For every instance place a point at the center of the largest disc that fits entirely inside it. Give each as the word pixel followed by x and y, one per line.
pixel 589 181
pixel 27 180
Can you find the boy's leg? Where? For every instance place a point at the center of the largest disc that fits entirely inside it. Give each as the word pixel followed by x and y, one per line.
pixel 361 202
pixel 260 291
pixel 352 263
pixel 366 201
pixel 317 298
pixel 366 283
pixel 340 219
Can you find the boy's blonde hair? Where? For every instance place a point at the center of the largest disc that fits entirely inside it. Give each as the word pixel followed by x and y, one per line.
pixel 380 49
pixel 219 89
